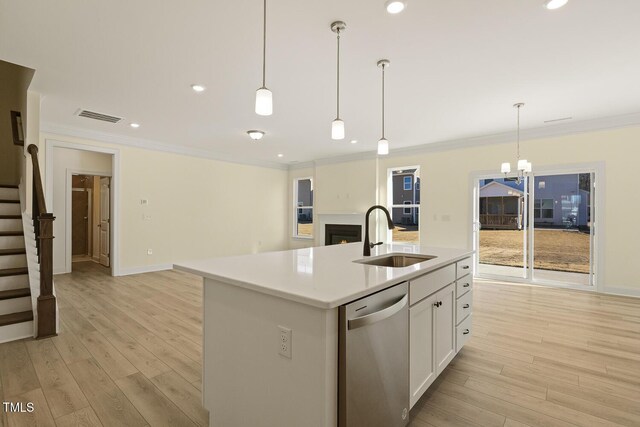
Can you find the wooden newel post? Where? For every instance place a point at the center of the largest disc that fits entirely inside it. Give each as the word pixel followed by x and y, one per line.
pixel 46 300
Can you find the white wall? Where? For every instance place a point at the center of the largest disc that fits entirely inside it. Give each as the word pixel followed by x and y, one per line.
pixel 65 159
pixel 199 208
pixel 446 212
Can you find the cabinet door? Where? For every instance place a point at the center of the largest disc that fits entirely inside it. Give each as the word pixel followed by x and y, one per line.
pixel 445 327
pixel 422 367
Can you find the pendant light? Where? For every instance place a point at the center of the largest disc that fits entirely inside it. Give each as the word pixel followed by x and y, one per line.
pixel 264 98
pixel 383 144
pixel 523 166
pixel 337 126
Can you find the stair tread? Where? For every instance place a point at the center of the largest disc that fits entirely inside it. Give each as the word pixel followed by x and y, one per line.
pixel 14 271
pixel 12 233
pixel 9 201
pixel 10 216
pixel 14 251
pixel 15 293
pixel 13 318
pixel 8 186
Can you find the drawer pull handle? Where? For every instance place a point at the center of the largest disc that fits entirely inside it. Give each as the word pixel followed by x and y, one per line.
pixel 465 267
pixel 466 332
pixel 466 285
pixel 465 306
pixel 438 304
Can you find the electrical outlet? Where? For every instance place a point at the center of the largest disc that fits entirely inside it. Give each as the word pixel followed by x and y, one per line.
pixel 149 251
pixel 284 342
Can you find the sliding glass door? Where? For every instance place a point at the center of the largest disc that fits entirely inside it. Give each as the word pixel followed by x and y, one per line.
pixel 562 228
pixel 537 230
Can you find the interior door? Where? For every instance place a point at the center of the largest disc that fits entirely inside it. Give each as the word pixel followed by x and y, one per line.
pixel 105 218
pixel 79 222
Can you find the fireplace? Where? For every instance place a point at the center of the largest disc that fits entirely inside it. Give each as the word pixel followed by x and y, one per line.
pixel 335 234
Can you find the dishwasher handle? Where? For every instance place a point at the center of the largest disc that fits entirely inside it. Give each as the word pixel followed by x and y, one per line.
pixel 377 316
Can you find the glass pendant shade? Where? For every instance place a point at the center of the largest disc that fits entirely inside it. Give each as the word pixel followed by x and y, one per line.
pixel 528 167
pixel 383 147
pixel 522 165
pixel 337 129
pixel 264 102
pixel 506 168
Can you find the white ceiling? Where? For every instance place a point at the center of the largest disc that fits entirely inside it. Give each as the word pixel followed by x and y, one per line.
pixel 457 66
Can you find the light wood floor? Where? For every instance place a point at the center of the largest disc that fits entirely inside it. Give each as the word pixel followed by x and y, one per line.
pixel 129 353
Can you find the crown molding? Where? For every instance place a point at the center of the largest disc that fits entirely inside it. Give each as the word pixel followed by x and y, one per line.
pixel 147 144
pixel 549 131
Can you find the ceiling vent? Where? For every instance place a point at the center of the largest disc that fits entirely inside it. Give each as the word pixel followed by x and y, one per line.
pixel 98 116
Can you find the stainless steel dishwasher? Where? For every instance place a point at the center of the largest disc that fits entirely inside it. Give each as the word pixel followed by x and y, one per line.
pixel 373 353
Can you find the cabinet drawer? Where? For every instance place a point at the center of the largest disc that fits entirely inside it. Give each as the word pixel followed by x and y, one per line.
pixel 463 333
pixel 463 286
pixel 464 307
pixel 463 267
pixel 424 286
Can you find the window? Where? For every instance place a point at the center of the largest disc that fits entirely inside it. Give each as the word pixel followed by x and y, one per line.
pixel 407 183
pixel 543 209
pixel 403 202
pixel 303 207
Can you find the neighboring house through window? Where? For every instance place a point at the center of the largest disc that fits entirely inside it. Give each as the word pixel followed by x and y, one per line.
pixel 543 209
pixel 403 202
pixel 303 207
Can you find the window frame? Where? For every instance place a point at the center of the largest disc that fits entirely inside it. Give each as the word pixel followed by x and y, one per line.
pixel 298 207
pixel 537 211
pixel 390 206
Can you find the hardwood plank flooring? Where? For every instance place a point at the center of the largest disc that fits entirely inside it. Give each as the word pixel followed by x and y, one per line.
pixel 129 353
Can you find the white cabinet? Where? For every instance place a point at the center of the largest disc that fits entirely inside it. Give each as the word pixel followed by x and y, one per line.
pixel 445 327
pixel 439 322
pixel 432 343
pixel 422 365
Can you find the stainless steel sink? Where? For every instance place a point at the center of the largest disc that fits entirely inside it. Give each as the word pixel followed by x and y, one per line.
pixel 396 260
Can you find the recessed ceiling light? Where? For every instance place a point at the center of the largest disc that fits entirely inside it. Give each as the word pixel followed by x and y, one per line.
pixel 555 4
pixel 280 155
pixel 255 134
pixel 354 141
pixel 395 6
pixel 198 88
pixel 135 125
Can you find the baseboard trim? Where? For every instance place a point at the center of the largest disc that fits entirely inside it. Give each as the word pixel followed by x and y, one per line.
pixel 625 292
pixel 144 269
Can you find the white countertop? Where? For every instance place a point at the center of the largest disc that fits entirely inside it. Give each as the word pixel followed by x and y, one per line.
pixel 324 277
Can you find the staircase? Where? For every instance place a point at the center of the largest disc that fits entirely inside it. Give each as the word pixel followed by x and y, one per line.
pixel 16 312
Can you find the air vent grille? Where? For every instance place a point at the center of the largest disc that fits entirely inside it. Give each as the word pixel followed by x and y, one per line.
pixel 98 116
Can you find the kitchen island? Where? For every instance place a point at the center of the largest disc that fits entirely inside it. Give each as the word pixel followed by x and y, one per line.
pixel 270 326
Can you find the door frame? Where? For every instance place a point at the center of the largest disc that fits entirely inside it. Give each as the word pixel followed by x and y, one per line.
pixel 68 189
pixel 50 144
pixel 598 224
pixel 89 192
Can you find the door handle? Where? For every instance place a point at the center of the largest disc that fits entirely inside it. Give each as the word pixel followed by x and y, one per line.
pixel 377 316
pixel 466 285
pixel 465 306
pixel 466 332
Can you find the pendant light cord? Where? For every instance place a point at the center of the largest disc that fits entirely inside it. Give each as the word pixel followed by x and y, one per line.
pixel 264 43
pixel 383 101
pixel 518 132
pixel 338 78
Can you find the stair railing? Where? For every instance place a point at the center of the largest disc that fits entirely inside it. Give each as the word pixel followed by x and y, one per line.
pixel 43 226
